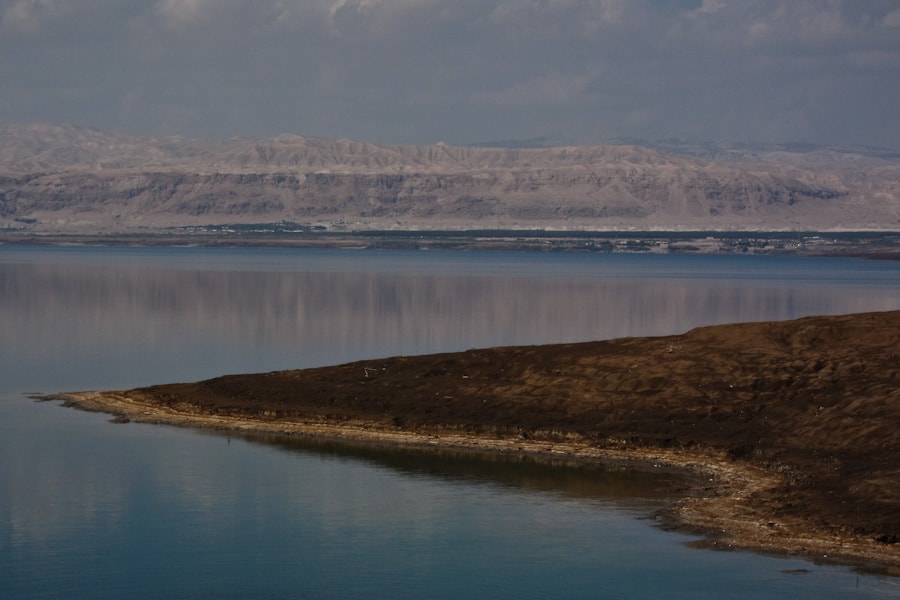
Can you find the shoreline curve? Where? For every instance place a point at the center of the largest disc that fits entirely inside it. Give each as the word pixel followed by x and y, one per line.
pixel 778 418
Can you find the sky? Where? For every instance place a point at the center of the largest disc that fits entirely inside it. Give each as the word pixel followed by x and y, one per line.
pixel 460 71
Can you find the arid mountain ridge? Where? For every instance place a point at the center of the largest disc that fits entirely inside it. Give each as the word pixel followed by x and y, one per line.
pixel 66 179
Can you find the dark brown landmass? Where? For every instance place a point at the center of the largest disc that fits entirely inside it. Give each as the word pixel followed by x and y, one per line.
pixel 794 425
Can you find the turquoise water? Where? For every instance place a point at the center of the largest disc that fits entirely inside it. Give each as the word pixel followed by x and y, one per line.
pixel 89 509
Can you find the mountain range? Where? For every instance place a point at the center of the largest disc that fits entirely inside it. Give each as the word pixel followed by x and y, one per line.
pixel 68 179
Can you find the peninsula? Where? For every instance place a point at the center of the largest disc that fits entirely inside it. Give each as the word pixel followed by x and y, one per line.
pixel 795 426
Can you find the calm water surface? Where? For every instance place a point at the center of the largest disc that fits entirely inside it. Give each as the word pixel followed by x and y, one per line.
pixel 94 510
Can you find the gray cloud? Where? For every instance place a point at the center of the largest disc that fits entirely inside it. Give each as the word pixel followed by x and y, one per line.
pixel 460 71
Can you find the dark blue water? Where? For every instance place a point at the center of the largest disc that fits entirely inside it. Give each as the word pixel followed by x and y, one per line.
pixel 89 509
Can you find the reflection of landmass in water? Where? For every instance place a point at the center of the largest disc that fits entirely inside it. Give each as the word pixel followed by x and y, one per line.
pixel 571 478
pixel 248 321
pixel 73 494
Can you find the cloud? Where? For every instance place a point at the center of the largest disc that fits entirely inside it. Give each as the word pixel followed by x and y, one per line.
pixel 892 19
pixel 184 12
pixel 455 70
pixel 33 17
pixel 29 15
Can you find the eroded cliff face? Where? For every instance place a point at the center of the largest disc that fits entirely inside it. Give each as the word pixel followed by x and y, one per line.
pixel 69 179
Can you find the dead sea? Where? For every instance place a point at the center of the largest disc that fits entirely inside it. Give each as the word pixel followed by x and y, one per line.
pixel 99 509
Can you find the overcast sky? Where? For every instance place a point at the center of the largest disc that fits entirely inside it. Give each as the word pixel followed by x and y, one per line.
pixel 459 71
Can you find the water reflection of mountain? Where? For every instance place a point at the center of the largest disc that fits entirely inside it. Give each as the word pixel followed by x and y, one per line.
pixel 295 319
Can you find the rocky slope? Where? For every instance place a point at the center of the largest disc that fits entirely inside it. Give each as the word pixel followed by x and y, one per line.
pixel 69 179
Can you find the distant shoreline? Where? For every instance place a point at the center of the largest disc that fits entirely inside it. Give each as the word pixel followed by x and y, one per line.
pixel 883 245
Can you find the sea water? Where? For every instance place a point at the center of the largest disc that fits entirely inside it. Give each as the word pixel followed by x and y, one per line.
pixel 92 509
